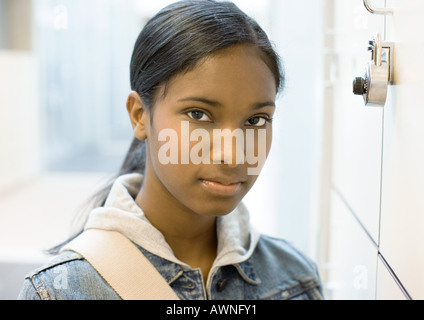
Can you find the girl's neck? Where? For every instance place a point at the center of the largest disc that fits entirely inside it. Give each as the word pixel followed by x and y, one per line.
pixel 192 237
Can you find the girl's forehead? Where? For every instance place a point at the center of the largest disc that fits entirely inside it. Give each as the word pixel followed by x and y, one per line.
pixel 235 71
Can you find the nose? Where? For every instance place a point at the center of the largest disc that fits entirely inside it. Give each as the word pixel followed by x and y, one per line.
pixel 228 147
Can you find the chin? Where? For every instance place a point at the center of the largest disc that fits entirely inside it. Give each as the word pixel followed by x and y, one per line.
pixel 217 209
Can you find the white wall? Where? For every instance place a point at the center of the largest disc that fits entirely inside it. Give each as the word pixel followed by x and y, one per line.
pixel 20 137
pixel 20 121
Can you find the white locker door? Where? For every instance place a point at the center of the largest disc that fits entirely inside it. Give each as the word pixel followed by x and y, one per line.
pixel 388 287
pixel 402 212
pixel 356 161
pixel 357 130
pixel 353 265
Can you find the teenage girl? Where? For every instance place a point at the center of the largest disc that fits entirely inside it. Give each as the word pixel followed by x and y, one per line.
pixel 203 63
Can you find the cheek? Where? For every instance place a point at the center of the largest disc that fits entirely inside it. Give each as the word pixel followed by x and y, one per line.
pixel 164 156
pixel 269 141
pixel 258 146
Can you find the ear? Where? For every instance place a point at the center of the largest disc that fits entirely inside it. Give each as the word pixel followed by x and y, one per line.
pixel 139 115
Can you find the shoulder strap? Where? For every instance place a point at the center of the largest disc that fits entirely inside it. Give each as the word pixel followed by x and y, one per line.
pixel 122 265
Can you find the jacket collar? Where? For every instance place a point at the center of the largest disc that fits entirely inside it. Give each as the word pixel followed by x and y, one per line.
pixel 247 272
pixel 171 271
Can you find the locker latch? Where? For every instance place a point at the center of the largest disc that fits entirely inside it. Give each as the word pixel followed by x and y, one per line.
pixel 378 74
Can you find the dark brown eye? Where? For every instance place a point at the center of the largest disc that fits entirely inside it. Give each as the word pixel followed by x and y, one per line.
pixel 198 115
pixel 256 121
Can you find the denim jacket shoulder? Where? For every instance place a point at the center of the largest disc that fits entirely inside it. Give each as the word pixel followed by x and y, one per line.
pixel 285 272
pixel 276 270
pixel 66 277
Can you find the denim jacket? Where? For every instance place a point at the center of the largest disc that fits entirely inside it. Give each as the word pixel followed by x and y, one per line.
pixel 249 266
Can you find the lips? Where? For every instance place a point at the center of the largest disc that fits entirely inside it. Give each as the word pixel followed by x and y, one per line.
pixel 221 186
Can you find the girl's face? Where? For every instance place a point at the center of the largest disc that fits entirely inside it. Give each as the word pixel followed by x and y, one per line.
pixel 231 90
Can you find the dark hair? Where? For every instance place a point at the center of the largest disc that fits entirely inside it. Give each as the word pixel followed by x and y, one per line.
pixel 174 41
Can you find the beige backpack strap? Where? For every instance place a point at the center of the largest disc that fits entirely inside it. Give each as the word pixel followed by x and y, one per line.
pixel 122 265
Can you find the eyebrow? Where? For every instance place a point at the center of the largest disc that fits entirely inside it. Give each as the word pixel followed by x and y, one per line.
pixel 218 104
